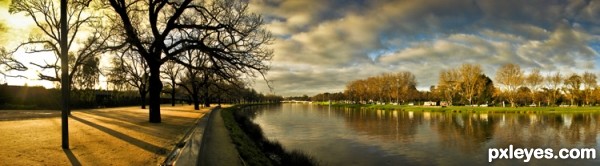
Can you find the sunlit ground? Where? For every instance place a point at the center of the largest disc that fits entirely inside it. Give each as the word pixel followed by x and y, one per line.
pixel 112 136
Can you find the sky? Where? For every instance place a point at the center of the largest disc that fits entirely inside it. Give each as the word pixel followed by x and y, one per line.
pixel 321 45
pixel 17 29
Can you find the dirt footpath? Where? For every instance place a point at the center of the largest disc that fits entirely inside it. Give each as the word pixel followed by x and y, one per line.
pixel 113 136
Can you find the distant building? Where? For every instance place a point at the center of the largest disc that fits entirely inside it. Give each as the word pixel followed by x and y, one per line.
pixel 430 103
pixel 444 103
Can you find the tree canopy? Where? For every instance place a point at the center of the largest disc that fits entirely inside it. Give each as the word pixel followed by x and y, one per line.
pixel 224 30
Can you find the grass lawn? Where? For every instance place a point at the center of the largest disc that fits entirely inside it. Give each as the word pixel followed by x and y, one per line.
pixel 468 108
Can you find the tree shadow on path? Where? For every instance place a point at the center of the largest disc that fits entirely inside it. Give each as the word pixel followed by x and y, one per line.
pixel 74 161
pixel 134 141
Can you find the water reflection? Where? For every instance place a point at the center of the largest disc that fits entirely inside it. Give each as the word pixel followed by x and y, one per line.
pixel 342 136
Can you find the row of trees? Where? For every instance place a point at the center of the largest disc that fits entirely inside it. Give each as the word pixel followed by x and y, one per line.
pixel 466 82
pixel 467 85
pixel 397 87
pixel 577 89
pixel 213 43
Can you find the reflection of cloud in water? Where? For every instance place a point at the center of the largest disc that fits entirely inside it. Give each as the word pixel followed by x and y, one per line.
pixel 380 137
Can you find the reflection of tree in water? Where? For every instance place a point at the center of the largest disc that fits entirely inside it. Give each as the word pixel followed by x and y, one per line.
pixel 469 133
pixel 386 125
pixel 546 130
pixel 466 132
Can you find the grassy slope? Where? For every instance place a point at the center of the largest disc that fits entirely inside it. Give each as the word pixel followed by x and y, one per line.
pixel 252 145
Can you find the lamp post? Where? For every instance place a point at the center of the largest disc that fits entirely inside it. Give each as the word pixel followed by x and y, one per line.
pixel 64 64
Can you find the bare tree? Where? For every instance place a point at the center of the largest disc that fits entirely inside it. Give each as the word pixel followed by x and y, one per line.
pixel 511 76
pixel 449 84
pixel 553 83
pixel 589 84
pixel 8 63
pixel 133 70
pixel 534 80
pixel 469 75
pixel 80 19
pixel 572 87
pixel 172 72
pixel 115 75
pixel 192 81
pixel 224 30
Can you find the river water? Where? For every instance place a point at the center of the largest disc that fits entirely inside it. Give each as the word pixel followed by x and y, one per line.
pixel 343 136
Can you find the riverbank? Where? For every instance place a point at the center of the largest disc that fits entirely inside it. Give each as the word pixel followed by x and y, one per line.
pixel 467 108
pixel 253 147
pixel 113 136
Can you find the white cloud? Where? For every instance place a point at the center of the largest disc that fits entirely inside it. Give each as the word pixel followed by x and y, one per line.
pixel 323 45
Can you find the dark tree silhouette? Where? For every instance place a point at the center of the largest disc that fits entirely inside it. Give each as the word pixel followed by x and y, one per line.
pixel 224 30
pixel 193 79
pixel 8 63
pixel 172 72
pixel 133 71
pixel 83 49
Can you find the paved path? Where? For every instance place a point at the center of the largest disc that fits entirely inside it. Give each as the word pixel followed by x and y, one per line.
pixel 208 144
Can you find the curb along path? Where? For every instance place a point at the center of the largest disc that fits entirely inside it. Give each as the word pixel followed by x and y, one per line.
pixel 208 144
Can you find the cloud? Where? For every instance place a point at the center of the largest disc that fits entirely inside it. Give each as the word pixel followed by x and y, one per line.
pixel 321 45
pixel 298 79
pixel 565 47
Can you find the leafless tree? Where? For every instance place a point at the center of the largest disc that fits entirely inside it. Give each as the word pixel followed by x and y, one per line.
pixel 228 34
pixel 572 87
pixel 469 75
pixel 193 80
pixel 589 84
pixel 511 76
pixel 133 70
pixel 116 77
pixel 553 83
pixel 88 36
pixel 449 84
pixel 534 80
pixel 8 63
pixel 172 72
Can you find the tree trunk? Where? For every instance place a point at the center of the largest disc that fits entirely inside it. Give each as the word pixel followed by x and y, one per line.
pixel 206 101
pixel 195 95
pixel 196 102
pixel 155 89
pixel 173 93
pixel 143 98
